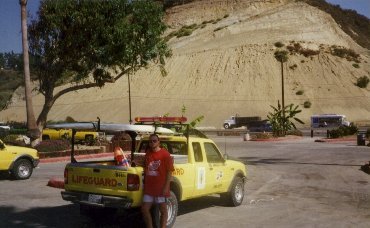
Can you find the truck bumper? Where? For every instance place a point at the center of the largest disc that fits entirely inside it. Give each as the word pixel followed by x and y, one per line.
pixel 97 200
pixel 35 162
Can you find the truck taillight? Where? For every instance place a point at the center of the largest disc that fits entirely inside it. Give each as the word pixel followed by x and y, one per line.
pixel 65 176
pixel 133 182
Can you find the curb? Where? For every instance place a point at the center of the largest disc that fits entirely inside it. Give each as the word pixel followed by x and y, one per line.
pixel 278 139
pixel 328 140
pixel 68 158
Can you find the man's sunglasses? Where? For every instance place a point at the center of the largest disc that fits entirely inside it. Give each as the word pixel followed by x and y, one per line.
pixel 153 141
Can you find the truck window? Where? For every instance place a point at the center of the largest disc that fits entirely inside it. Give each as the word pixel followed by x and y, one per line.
pixel 212 153
pixel 178 148
pixel 197 152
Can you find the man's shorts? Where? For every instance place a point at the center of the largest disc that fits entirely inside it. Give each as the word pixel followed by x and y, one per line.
pixel 154 199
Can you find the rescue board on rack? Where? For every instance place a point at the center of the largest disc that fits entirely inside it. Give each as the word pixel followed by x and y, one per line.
pixel 161 119
pixel 111 127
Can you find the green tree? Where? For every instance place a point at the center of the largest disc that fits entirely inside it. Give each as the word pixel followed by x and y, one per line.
pixel 91 43
pixel 11 60
pixel 282 119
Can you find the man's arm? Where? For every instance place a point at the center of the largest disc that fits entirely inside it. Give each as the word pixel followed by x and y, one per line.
pixel 166 187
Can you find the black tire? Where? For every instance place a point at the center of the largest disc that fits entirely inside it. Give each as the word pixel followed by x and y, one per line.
pixel 172 208
pixel 235 197
pixel 226 126
pixel 22 169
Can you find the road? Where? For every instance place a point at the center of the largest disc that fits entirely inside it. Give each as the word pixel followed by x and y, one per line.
pixel 295 183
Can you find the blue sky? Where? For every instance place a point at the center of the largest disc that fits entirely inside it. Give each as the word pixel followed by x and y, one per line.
pixel 10 22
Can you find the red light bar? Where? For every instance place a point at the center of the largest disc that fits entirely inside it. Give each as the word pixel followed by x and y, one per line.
pixel 165 119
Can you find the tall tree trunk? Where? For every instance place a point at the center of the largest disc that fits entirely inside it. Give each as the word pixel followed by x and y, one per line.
pixel 49 102
pixel 33 131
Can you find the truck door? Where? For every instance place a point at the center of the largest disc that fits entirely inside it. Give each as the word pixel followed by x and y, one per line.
pixel 5 157
pixel 216 168
pixel 200 167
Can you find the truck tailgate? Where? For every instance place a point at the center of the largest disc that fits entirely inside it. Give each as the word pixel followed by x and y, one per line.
pixel 103 178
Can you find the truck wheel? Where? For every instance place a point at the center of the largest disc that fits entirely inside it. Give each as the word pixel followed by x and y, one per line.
pixel 226 126
pixel 172 208
pixel 235 197
pixel 22 169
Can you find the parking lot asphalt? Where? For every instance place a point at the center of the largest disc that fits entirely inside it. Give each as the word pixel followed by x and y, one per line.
pixel 290 183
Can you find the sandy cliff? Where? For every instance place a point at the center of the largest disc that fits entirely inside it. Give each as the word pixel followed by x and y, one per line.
pixel 229 67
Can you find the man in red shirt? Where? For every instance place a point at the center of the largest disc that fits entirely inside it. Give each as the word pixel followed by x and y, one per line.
pixel 157 176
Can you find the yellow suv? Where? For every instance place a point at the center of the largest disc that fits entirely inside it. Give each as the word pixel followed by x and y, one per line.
pixel 19 161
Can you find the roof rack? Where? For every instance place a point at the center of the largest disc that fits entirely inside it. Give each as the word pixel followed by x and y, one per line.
pixel 132 130
pixel 176 123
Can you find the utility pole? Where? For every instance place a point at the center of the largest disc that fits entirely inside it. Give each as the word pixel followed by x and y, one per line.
pixel 129 98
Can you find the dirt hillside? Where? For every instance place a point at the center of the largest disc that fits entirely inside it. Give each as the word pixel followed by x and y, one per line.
pixel 227 67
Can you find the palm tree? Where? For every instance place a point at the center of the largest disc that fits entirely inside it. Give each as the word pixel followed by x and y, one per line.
pixel 282 56
pixel 33 131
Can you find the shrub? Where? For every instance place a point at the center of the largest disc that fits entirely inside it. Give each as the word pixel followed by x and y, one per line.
pixel 14 140
pixel 362 82
pixel 355 65
pixel 293 66
pixel 343 131
pixel 53 145
pixel 184 32
pixel 335 133
pixel 263 135
pixel 307 104
pixel 299 92
pixel 219 28
pixel 16 124
pixel 279 44
pixel 18 131
pixel 217 20
pixel 342 52
pixel 70 120
pixel 297 48
pixel 352 129
pixel 309 52
pixel 295 132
